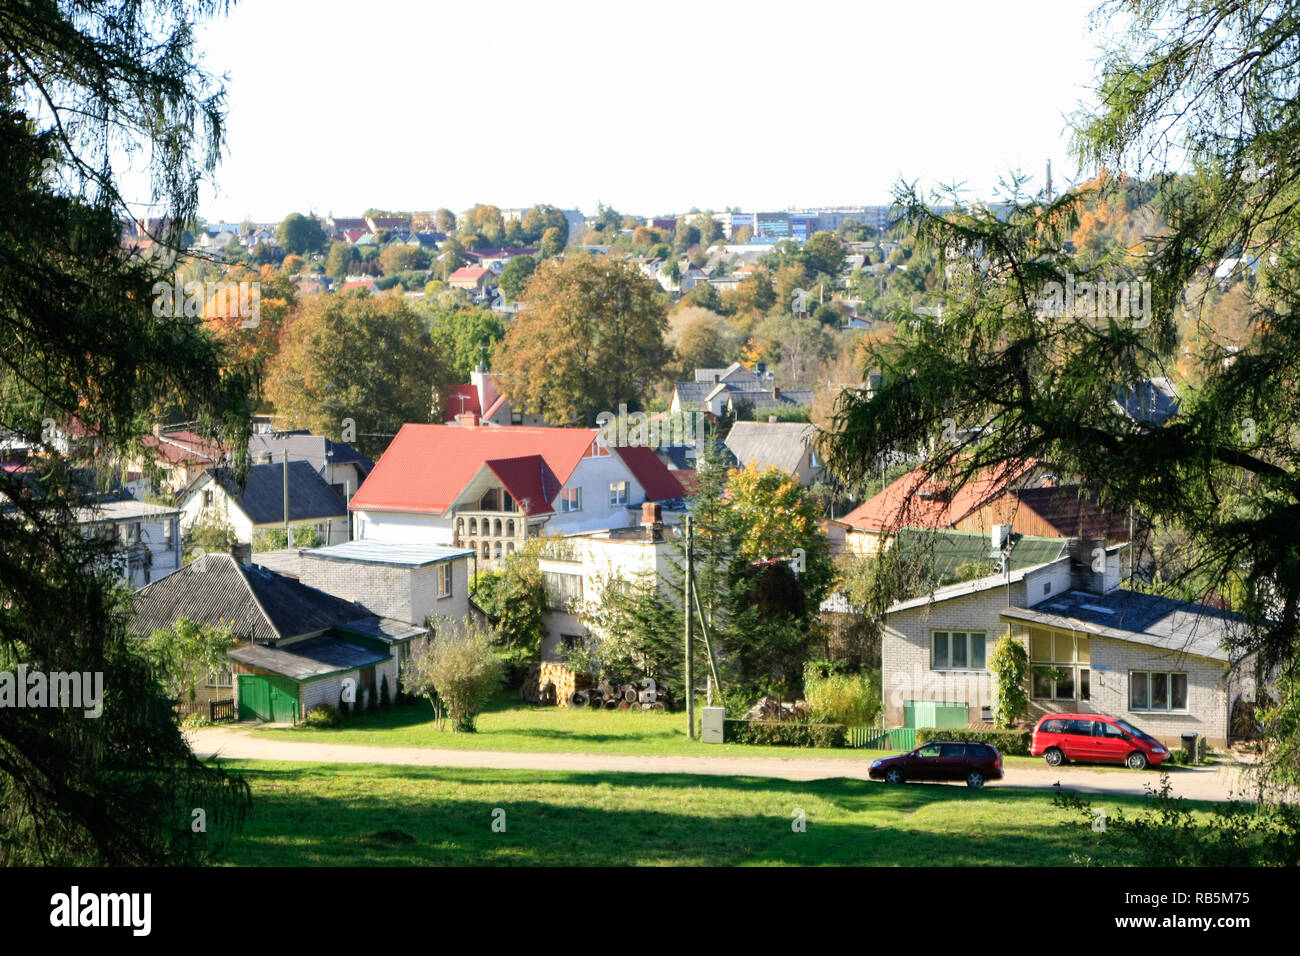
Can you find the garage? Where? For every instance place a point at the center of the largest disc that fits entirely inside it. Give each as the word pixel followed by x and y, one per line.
pixel 268 697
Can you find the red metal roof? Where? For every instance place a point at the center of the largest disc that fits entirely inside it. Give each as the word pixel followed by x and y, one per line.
pixel 427 466
pixel 917 501
pixel 530 482
pixel 467 273
pixel 653 475
pixel 455 406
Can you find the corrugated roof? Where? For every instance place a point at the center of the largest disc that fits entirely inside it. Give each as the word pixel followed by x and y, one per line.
pixel 404 554
pixel 258 604
pixel 948 550
pixel 767 444
pixel 659 483
pixel 917 501
pixel 427 466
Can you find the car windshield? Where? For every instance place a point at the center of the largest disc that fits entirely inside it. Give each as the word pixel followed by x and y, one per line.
pixel 1130 729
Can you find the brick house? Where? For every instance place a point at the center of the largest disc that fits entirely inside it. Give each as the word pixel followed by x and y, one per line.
pixel 1094 647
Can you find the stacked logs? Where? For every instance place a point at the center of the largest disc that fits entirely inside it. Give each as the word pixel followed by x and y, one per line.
pixel 556 684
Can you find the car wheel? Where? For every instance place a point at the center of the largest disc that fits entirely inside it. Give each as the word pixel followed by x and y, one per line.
pixel 1054 757
pixel 974 779
pixel 1136 761
pixel 894 775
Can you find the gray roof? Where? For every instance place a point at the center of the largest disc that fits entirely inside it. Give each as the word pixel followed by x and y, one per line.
pixel 694 393
pixel 1179 627
pixel 309 659
pixel 384 629
pixel 762 400
pixel 123 511
pixel 390 552
pixel 310 498
pixel 765 444
pixel 706 374
pixel 304 446
pixel 1152 401
pixel 258 604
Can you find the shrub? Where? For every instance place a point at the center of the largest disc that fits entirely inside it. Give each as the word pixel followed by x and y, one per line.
pixel 850 699
pixel 385 701
pixel 458 667
pixel 323 715
pixel 1010 666
pixel 784 733
pixel 344 706
pixel 1012 743
pixel 372 697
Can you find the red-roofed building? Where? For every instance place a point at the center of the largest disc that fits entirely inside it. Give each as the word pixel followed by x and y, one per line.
pixel 471 278
pixel 492 488
pixel 484 404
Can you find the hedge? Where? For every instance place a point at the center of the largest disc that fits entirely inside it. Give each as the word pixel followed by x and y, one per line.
pixel 784 733
pixel 1012 743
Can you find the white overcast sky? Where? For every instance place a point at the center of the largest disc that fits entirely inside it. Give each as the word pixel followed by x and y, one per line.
pixel 335 107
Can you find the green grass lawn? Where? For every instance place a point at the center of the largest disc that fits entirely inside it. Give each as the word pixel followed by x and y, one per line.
pixel 511 725
pixel 357 814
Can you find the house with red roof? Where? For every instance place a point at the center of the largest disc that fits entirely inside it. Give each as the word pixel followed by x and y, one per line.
pixel 493 488
pixel 483 399
pixel 474 279
pixel 1025 495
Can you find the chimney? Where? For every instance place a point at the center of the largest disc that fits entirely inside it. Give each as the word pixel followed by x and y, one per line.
pixel 242 552
pixel 467 419
pixel 760 368
pixel 157 429
pixel 776 392
pixel 715 378
pixel 652 519
pixel 1083 556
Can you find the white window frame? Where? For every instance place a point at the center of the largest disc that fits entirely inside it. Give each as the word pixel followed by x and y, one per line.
pixel 223 677
pixel 1075 665
pixel 966 636
pixel 444 580
pixel 617 494
pixel 570 500
pixel 1169 708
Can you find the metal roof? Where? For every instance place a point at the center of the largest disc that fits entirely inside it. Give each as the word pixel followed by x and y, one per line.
pixel 309 659
pixel 385 629
pixel 764 444
pixel 408 555
pixel 1179 627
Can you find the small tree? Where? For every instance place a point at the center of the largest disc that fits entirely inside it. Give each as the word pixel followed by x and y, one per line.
pixel 385 701
pixel 457 667
pixel 183 653
pixel 1010 666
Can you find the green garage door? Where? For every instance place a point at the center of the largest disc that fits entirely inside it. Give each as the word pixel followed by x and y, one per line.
pixel 267 697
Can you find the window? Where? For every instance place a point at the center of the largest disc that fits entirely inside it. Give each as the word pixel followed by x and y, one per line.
pixel 957 650
pixel 1056 658
pixel 564 591
pixel 813 460
pixel 571 499
pixel 570 642
pixel 221 677
pixel 617 494
pixel 1157 690
pixel 444 579
pixel 953 750
pixel 929 750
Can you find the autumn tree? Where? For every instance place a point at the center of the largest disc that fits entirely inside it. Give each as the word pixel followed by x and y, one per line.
pixel 359 357
pixel 515 274
pixel 553 242
pixel 777 518
pixel 485 224
pixel 591 337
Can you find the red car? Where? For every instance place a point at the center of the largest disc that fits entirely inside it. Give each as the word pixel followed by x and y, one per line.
pixel 942 760
pixel 1094 738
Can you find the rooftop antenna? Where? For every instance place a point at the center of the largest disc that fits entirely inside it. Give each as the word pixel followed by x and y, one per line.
pixel 1049 180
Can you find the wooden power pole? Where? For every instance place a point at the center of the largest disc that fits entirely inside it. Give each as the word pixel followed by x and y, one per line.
pixel 690 628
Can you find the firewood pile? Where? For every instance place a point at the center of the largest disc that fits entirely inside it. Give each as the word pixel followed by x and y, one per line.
pixel 556 684
pixel 769 708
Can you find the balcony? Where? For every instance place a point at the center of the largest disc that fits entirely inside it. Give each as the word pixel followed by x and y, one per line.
pixel 493 534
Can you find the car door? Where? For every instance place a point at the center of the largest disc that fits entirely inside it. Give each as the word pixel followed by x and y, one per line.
pixel 1111 745
pixel 926 763
pixel 952 760
pixel 1079 740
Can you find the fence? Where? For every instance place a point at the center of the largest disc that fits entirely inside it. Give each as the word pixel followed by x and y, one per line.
pixel 214 710
pixel 881 738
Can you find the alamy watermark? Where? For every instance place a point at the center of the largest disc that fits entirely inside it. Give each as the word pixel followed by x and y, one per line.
pixel 1129 300
pixel 76 690
pixel 180 299
pixel 626 429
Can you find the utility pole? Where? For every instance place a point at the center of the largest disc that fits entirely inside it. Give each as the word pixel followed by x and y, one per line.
pixel 288 532
pixel 687 591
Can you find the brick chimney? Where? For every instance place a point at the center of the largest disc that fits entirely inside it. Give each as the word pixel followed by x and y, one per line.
pixel 776 392
pixel 467 419
pixel 652 519
pixel 242 552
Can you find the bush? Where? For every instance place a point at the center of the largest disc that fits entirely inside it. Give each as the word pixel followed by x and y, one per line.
pixel 784 733
pixel 1012 743
pixel 457 667
pixel 385 701
pixel 850 699
pixel 344 706
pixel 323 715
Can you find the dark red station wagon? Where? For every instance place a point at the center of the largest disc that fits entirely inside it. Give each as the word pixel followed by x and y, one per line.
pixel 942 760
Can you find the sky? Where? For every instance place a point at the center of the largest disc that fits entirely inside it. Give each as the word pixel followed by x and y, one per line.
pixel 334 107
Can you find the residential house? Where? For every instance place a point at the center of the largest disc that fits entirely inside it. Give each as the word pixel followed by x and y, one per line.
pixel 398 226
pixel 788 446
pixel 483 400
pixel 148 537
pixel 341 465
pixel 473 279
pixel 496 259
pixel 1094 648
pixel 492 489
pixel 297 644
pixel 259 506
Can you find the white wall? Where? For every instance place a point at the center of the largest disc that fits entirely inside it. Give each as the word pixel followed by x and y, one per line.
pixel 402 528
